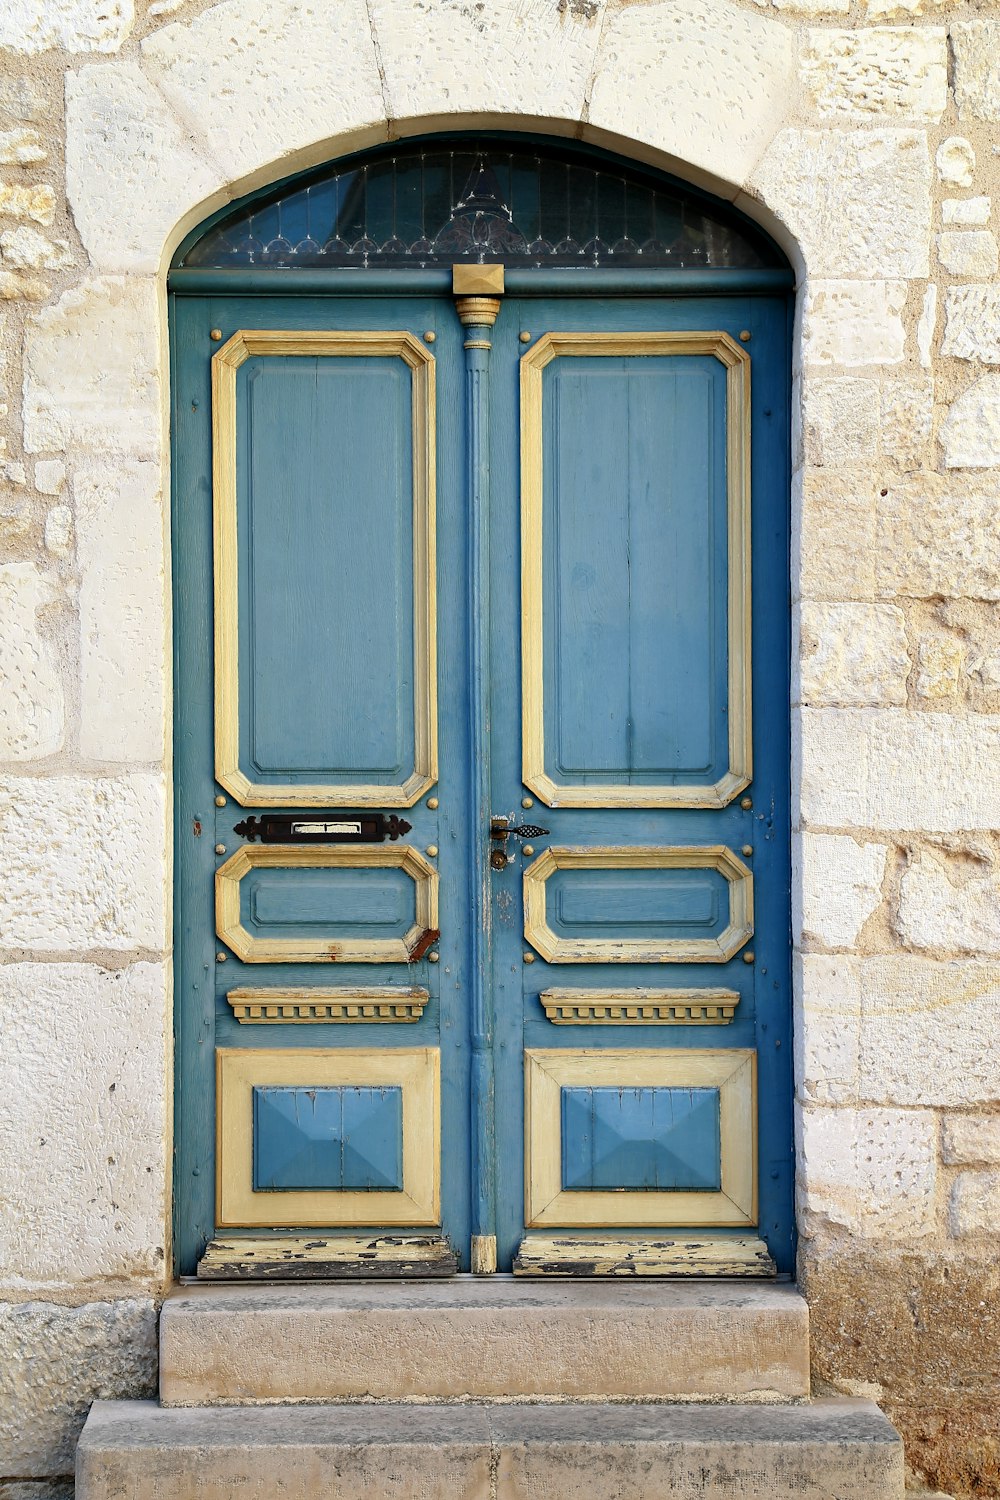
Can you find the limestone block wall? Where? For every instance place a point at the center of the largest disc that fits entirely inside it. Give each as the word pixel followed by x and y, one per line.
pixel 863 134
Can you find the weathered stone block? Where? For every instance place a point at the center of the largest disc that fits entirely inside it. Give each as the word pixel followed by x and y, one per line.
pixel 22 201
pixel 971 252
pixel 970 1139
pixel 120 522
pixel 927 326
pixel 59 531
pixel 940 662
pixel 826 1040
pixel 32 709
pixel 260 79
pixel 968 211
pixel 123 142
pixel 26 249
pixel 853 323
pixel 76 25
pixel 834 534
pixel 882 71
pixel 509 57
pixel 852 654
pixel 972 323
pixel 871 1172
pixel 976 48
pixel 16 287
pixel 730 73
pixel 50 476
pixel 92 370
pixel 83 1093
pixel 898 1030
pixel 956 161
pixel 949 900
pixel 840 885
pixel 907 418
pixel 54 1362
pixel 858 202
pixel 887 768
pixel 83 863
pixel 938 535
pixel 840 420
pixel 970 434
pixel 975 1204
pixel 21 148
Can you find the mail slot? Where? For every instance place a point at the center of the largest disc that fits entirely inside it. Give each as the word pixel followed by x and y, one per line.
pixel 323 828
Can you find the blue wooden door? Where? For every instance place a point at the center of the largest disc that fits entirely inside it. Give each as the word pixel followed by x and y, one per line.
pixel 482 773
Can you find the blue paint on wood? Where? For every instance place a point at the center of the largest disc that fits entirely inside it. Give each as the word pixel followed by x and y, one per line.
pixel 674 903
pixel 325 527
pixel 331 1138
pixel 334 903
pixel 657 1139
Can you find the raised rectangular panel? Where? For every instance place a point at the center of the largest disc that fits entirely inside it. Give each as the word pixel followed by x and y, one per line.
pixel 658 1139
pixel 281 903
pixel 640 1138
pixel 324 568
pixel 638 904
pixel 327 1137
pixel 636 569
pixel 336 1138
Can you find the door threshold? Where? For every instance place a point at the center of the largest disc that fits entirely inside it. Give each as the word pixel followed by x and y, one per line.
pixel 431 1257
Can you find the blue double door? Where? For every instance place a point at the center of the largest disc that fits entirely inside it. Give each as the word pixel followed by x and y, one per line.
pixel 482 775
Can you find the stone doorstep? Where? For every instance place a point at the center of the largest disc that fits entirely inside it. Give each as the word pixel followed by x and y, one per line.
pixel 839 1449
pixel 483 1340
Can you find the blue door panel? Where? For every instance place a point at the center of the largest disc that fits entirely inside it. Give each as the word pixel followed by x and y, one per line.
pixel 657 1139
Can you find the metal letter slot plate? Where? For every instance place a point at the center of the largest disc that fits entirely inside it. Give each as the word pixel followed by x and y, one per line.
pixel 337 828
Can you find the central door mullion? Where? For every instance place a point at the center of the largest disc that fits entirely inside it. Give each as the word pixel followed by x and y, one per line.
pixel 478 305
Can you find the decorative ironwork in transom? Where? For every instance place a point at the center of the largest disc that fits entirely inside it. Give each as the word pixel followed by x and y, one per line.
pixel 446 200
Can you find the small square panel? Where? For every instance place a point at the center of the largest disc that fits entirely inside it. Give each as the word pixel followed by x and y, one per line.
pixel 643 1139
pixel 334 1138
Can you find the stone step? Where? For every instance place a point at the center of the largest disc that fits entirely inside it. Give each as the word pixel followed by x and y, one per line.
pixel 483 1339
pixel 840 1449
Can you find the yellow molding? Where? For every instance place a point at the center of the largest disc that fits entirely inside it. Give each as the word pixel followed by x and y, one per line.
pixel 639 1007
pixel 642 1255
pixel 258 950
pixel 297 1006
pixel 737 364
pixel 548 1070
pixel 564 950
pixel 225 364
pixel 416 1071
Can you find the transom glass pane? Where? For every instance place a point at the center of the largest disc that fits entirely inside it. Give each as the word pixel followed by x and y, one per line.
pixel 449 200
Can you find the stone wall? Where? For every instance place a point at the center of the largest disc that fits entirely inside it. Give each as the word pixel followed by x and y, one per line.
pixel 862 134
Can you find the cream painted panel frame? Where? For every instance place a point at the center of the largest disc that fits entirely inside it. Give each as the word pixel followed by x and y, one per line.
pixel 548 1070
pixel 416 1071
pixel 736 361
pixel 326 343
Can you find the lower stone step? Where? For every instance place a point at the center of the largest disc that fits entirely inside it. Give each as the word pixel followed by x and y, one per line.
pixel 483 1339
pixel 838 1449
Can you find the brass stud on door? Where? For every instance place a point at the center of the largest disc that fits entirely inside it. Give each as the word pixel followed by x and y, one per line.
pixel 220 801
pixel 432 850
pixel 433 804
pixel 527 801
pixel 745 336
pixel 220 958
pixel 524 336
pixel 215 335
pixel 748 849
pixel 430 336
pixel 749 956
pixel 746 803
pixel 529 958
